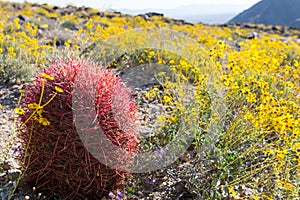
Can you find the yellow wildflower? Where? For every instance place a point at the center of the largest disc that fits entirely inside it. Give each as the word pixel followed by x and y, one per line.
pixel 45 26
pixel 58 89
pixel 46 76
pixel 288 187
pixel 232 192
pixel 255 198
pixel 17 24
pixel 89 25
pixel 269 152
pixel 147 95
pixel 151 93
pixel 251 98
pixel 296 146
pixel 171 62
pixel 289 85
pixel 151 53
pixel 11 52
pixel 19 111
pixel 167 99
pixel 33 106
pixel 280 155
pixel 44 121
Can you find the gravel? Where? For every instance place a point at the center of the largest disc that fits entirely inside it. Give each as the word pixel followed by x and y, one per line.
pixel 10 169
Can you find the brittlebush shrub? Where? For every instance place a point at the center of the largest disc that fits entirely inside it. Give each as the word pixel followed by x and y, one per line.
pixel 56 160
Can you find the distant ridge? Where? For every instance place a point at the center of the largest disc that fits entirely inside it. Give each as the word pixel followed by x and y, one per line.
pixel 195 13
pixel 272 12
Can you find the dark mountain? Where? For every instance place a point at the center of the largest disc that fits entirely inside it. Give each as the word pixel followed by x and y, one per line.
pixel 272 12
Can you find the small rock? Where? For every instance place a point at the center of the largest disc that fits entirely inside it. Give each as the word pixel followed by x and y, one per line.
pixel 110 16
pixel 13 174
pixel 185 157
pixel 23 18
pixel 146 131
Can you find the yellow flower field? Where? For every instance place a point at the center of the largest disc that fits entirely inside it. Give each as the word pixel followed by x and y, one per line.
pixel 254 150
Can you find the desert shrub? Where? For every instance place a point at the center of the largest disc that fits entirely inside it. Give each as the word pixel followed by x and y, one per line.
pixel 56 161
pixel 257 132
pixel 69 25
pixel 21 52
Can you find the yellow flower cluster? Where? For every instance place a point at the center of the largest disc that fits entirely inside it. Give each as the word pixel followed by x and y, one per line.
pixel 37 108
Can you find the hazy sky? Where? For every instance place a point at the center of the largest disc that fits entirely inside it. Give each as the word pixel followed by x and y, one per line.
pixel 206 11
pixel 141 4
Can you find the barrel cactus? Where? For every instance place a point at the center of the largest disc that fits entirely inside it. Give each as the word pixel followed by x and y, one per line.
pixel 56 161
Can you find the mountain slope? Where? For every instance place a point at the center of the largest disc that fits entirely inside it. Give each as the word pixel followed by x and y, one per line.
pixel 273 12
